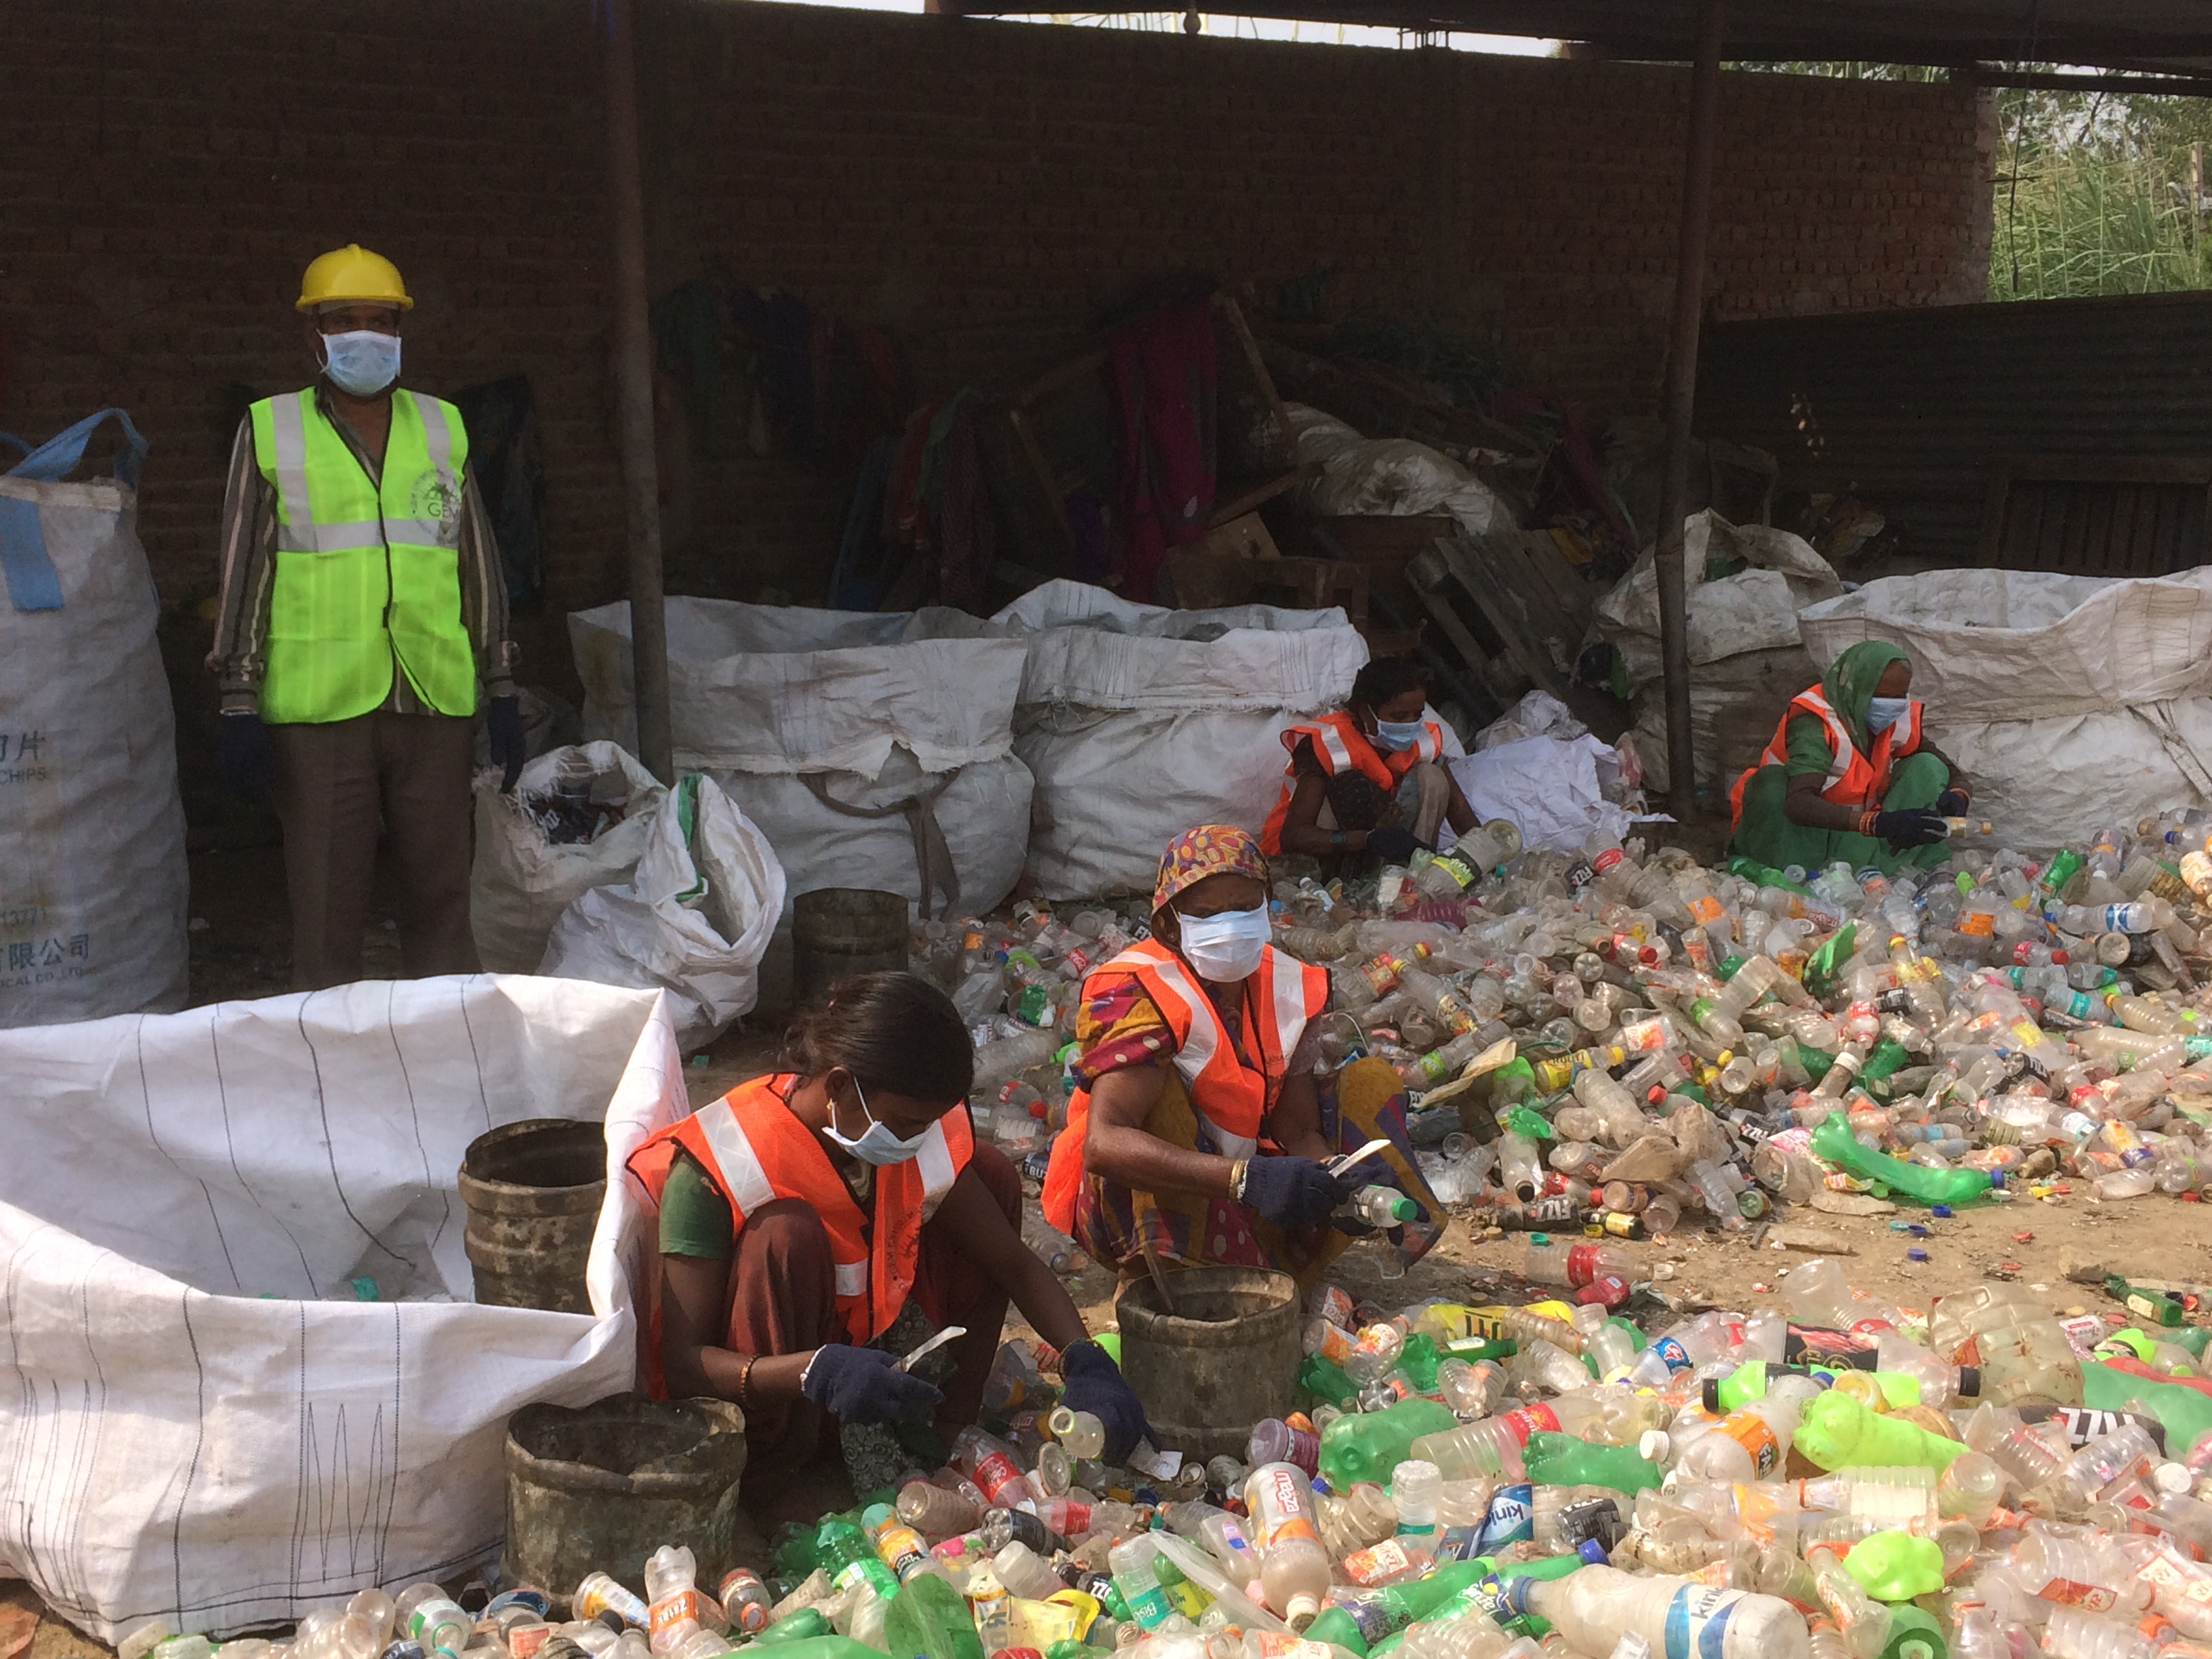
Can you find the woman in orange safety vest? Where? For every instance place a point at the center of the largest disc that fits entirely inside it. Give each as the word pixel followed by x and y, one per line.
pixel 1369 780
pixel 1850 774
pixel 817 1222
pixel 1203 1117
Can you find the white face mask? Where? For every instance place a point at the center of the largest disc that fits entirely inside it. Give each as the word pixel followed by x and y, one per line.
pixel 361 361
pixel 876 1143
pixel 1885 712
pixel 1397 736
pixel 1225 948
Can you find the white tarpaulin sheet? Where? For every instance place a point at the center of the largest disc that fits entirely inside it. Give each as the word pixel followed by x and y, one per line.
pixel 866 745
pixel 193 1432
pixel 2068 701
pixel 1550 788
pixel 1138 722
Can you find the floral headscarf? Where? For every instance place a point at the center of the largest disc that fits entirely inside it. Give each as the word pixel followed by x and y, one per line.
pixel 1211 849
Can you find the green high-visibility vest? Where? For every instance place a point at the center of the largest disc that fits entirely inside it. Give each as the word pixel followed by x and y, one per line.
pixel 364 576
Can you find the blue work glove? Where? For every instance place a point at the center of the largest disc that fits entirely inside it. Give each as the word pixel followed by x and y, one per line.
pixel 1392 845
pixel 1094 1383
pixel 246 758
pixel 504 719
pixel 1952 802
pixel 864 1385
pixel 1296 1193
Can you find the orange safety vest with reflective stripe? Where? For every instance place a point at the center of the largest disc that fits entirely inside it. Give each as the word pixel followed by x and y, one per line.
pixel 1855 779
pixel 1230 1097
pixel 755 1152
pixel 1338 743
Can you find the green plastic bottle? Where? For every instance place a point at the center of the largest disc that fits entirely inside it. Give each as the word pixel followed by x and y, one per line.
pixel 2152 1307
pixel 928 1619
pixel 1325 1380
pixel 1887 1056
pixel 1368 1445
pixel 1418 1359
pixel 1834 1143
pixel 1339 1629
pixel 1561 1460
pixel 800 1626
pixel 1835 1431
pixel 847 1556
pixel 1913 1634
pixel 1896 1567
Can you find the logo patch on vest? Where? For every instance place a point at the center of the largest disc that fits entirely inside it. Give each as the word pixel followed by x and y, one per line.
pixel 436 494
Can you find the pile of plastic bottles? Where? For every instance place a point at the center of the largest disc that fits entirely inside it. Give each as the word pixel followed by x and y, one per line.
pixel 1628 1042
pixel 1837 1479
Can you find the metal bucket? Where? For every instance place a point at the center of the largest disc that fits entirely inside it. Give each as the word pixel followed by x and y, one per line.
pixel 1228 1357
pixel 600 1489
pixel 534 1191
pixel 840 931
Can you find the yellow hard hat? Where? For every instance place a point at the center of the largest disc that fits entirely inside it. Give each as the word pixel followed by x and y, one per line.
pixel 353 274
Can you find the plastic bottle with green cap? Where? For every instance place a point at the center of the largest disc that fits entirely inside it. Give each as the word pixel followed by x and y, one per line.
pixel 1914 1635
pixel 929 1620
pixel 1368 1445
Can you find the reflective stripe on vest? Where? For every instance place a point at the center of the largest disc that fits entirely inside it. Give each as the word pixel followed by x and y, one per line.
pixel 755 1152
pixel 365 576
pixel 1338 743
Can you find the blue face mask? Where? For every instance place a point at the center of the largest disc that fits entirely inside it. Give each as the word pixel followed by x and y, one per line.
pixel 1886 711
pixel 876 1143
pixel 1398 735
pixel 362 361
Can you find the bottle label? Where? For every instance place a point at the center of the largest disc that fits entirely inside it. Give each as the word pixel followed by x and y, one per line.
pixel 2073 1593
pixel 1512 1518
pixel 744 1599
pixel 1579 875
pixel 672 1610
pixel 1698 1619
pixel 1525 1420
pixel 1706 910
pixel 1750 1431
pixel 1978 924
pixel 1380 1563
pixel 1604 862
pixel 525 1641
pixel 902 1550
pixel 2086 1423
pixel 993 1471
pixel 1281 1514
pixel 1676 1356
pixel 1457 1544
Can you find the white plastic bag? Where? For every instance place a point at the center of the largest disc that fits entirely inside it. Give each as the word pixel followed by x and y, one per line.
pixel 1551 788
pixel 193 1431
pixel 2069 702
pixel 873 750
pixel 1138 722
pixel 695 919
pixel 522 882
pixel 1390 477
pixel 93 880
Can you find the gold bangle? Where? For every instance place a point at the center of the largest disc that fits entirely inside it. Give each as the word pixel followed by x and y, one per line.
pixel 745 1381
pixel 1238 1169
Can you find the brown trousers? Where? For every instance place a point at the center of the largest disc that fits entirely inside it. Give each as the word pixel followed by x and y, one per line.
pixel 337 783
pixel 783 1299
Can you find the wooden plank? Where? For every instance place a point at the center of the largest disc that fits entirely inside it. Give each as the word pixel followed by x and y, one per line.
pixel 1226 304
pixel 2115 468
pixel 1995 502
pixel 1504 607
pixel 1433 600
pixel 1242 495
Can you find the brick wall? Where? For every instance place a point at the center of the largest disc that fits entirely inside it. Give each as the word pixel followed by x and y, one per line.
pixel 976 187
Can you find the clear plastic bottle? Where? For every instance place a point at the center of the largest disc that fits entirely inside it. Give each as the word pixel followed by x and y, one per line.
pixel 993 1465
pixel 1862 1622
pixel 1592 1607
pixel 430 1618
pixel 744 1601
pixel 1414 1487
pixel 2077 1633
pixel 1294 1568
pixel 2074 1569
pixel 1273 1441
pixel 672 1613
pixel 935 1511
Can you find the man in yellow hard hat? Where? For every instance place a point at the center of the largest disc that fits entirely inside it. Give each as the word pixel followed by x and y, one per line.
pixel 362 605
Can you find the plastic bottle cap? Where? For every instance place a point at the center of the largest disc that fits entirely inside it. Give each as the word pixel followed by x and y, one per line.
pixel 1969 1382
pixel 1940 1210
pixel 1301 1611
pixel 1589 1549
pixel 1653 1445
pixel 2172 1477
pixel 1916 1254
pixel 1713 1393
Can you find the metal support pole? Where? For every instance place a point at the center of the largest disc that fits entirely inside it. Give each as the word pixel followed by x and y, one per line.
pixel 1682 402
pixel 648 620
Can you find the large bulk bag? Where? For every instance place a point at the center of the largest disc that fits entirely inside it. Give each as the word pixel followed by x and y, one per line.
pixel 522 879
pixel 1139 723
pixel 1747 659
pixel 873 748
pixel 2069 702
pixel 695 919
pixel 93 882
pixel 205 1423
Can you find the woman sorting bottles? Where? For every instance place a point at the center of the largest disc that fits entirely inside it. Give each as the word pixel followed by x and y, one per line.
pixel 1850 774
pixel 805 1212
pixel 1202 1123
pixel 1369 780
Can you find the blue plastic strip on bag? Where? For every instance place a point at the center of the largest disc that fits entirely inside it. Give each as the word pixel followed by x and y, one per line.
pixel 33 582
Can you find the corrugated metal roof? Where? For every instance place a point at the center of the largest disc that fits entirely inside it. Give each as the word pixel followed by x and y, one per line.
pixel 1911 409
